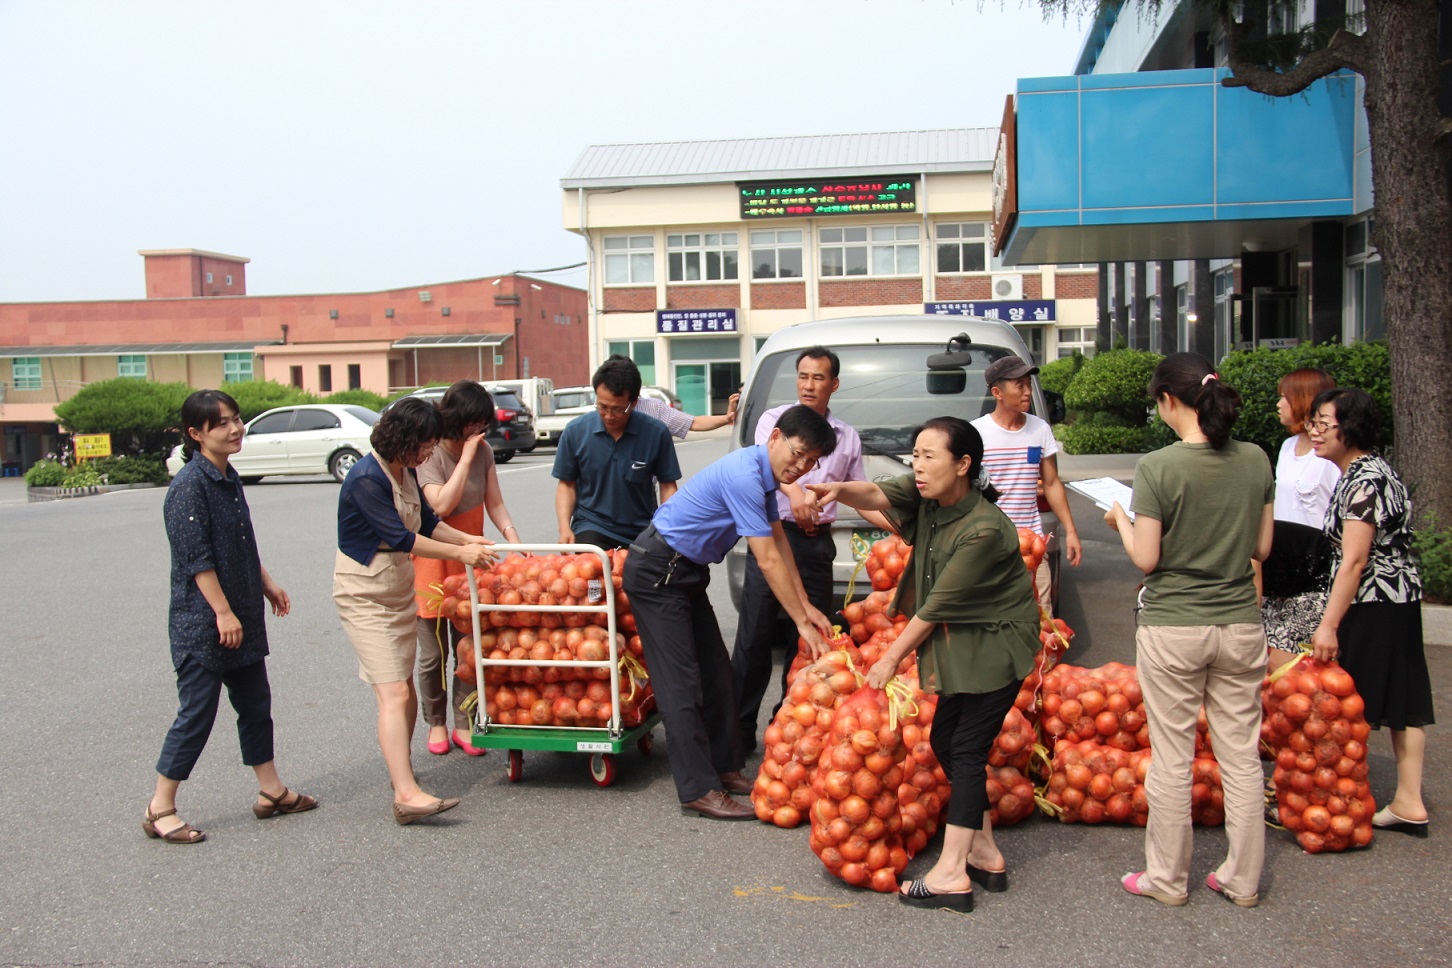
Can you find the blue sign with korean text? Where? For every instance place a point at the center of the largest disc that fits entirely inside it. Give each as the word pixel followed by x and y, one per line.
pixel 1007 310
pixel 678 321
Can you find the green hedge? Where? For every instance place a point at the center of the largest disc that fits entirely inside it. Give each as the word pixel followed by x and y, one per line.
pixel 1255 374
pixel 1058 374
pixel 46 473
pixel 141 416
pixel 1115 382
pixel 1433 548
pixel 130 470
pixel 358 398
pixel 258 396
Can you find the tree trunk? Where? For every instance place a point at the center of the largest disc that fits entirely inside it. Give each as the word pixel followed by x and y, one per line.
pixel 1410 164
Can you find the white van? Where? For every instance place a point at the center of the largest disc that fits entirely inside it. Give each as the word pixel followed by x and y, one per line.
pixel 897 372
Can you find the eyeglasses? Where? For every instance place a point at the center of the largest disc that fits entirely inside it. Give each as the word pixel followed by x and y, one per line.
pixel 605 411
pixel 800 458
pixel 1321 426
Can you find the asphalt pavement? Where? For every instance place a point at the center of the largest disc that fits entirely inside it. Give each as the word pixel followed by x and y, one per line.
pixel 551 870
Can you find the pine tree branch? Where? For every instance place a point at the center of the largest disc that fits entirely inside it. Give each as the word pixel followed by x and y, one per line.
pixel 1342 53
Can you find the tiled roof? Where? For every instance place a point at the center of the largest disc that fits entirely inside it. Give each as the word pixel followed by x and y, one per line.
pixel 747 159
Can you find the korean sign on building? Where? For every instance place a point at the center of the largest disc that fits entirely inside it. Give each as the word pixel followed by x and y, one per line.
pixel 673 322
pixel 1010 311
pixel 896 195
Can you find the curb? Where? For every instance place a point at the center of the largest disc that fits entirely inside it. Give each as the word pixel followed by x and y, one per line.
pixel 35 495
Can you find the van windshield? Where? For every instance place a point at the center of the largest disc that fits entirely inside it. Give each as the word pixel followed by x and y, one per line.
pixel 883 392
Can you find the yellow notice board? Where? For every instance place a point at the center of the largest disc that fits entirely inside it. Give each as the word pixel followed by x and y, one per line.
pixel 92 445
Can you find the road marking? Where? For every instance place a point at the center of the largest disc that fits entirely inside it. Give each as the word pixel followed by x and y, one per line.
pixel 786 895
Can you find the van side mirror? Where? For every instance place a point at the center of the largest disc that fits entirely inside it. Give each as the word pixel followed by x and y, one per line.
pixel 1057 410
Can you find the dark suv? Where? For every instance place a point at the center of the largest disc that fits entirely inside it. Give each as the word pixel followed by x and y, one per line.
pixel 514 430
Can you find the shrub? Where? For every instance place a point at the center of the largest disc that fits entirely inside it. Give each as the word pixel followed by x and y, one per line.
pixel 1084 438
pixel 1056 376
pixel 1255 373
pixel 46 473
pixel 358 398
pixel 141 416
pixel 1115 382
pixel 83 476
pixel 257 396
pixel 130 470
pixel 1433 547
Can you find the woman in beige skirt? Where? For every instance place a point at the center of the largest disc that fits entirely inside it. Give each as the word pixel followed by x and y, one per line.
pixel 382 519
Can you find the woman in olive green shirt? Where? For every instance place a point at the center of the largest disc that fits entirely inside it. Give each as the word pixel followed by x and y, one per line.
pixel 972 610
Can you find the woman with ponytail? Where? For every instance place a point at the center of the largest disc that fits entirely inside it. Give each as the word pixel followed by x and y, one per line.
pixel 1203 509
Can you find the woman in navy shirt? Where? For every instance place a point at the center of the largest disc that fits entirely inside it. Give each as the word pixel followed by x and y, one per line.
pixel 382 517
pixel 218 633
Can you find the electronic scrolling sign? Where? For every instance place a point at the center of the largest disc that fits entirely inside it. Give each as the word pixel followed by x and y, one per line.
pixel 873 195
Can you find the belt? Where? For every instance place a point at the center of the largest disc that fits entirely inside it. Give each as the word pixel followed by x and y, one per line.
pixel 650 540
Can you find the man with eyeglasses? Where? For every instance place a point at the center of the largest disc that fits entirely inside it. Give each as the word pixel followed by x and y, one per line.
pixel 666 577
pixel 762 627
pixel 607 464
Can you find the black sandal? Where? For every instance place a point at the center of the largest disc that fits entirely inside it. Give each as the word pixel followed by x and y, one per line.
pixel 918 894
pixel 301 803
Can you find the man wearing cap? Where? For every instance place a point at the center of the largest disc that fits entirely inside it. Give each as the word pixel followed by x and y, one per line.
pixel 1019 450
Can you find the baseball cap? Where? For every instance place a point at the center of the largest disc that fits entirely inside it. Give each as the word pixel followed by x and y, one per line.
pixel 1007 368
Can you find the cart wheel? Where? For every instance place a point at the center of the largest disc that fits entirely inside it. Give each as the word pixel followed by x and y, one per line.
pixel 646 745
pixel 602 769
pixel 515 768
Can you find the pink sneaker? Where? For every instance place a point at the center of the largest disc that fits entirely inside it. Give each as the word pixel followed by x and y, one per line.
pixel 1130 882
pixel 1249 901
pixel 467 745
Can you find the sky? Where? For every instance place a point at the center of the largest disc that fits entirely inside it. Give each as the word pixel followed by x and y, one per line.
pixel 359 145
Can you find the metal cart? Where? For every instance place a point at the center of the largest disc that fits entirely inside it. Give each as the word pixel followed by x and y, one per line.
pixel 603 743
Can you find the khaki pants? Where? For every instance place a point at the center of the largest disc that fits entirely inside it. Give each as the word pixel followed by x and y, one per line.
pixel 1182 667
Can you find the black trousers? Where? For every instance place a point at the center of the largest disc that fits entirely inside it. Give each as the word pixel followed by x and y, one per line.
pixel 689 668
pixel 762 626
pixel 964 728
pixel 200 692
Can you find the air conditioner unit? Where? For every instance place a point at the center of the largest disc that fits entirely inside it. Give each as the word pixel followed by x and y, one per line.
pixel 1008 285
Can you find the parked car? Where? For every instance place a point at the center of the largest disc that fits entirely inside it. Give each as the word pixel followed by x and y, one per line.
pixel 661 393
pixel 569 403
pixel 313 438
pixel 536 393
pixel 895 374
pixel 514 431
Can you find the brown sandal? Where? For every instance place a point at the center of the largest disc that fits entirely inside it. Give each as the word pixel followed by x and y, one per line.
pixel 185 834
pixel 301 803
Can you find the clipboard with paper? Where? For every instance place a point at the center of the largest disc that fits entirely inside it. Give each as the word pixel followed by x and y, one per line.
pixel 1104 491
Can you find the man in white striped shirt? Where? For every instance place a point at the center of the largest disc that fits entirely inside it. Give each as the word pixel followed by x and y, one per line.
pixel 1019 449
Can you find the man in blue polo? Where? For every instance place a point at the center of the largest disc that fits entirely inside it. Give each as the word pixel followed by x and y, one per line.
pixel 666 576
pixel 607 463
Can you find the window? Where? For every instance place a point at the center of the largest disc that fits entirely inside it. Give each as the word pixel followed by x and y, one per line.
pixel 295 376
pixel 131 366
pixel 275 423
pixel 1182 315
pixel 639 351
pixel 236 367
pixel 776 254
pixel 315 420
pixel 325 377
pixel 629 259
pixel 698 256
pixel 877 250
pixel 209 277
pixel 355 376
pixel 1364 316
pixel 25 373
pixel 1226 317
pixel 1073 339
pixel 229 280
pixel 963 247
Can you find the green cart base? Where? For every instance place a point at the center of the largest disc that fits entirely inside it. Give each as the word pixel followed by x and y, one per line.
pixel 598 742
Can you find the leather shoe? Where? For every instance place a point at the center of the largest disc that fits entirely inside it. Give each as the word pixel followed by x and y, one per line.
pixel 994 881
pixel 403 814
pixel 737 783
pixel 719 806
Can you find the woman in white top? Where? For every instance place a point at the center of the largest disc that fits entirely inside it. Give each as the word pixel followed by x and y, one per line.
pixel 1295 579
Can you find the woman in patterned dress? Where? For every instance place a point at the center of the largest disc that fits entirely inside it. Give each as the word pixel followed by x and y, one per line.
pixel 1373 619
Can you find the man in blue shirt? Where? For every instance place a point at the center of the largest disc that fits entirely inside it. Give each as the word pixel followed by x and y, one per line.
pixel 666 575
pixel 607 463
